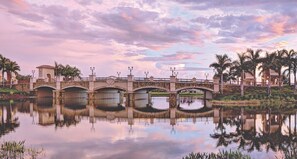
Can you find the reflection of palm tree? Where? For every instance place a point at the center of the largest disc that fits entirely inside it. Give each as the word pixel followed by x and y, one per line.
pixel 10 124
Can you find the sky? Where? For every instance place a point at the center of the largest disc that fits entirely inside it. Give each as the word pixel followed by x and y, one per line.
pixel 150 35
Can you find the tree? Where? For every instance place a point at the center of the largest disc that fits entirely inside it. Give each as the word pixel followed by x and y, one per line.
pixel 223 62
pixel 279 63
pixel 289 62
pixel 240 66
pixel 3 62
pixel 67 71
pixel 253 58
pixel 267 64
pixel 11 67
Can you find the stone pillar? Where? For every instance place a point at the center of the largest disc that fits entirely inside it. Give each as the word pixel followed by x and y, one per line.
pixel 92 79
pixel 58 83
pixel 216 115
pixel 91 95
pixel 172 83
pixel 31 109
pixel 216 85
pixel 130 115
pixel 59 115
pixel 31 84
pixel 130 100
pixel 130 83
pixel 172 116
pixel 173 100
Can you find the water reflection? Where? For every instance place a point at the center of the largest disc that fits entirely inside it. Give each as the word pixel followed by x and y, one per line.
pixel 262 131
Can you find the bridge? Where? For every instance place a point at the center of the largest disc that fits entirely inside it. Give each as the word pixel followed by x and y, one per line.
pixel 129 85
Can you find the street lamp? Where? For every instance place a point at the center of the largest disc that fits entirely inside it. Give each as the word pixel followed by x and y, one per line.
pixel 119 73
pixel 33 72
pixel 206 75
pixel 92 69
pixel 172 69
pixel 146 73
pixel 130 69
pixel 175 73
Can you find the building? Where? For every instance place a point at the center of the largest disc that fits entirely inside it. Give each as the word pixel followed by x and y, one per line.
pixel 46 73
pixel 248 79
pixel 272 76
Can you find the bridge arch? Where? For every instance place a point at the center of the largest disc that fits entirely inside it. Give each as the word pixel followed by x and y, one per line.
pixel 193 87
pixel 44 86
pixel 109 87
pixel 79 87
pixel 151 88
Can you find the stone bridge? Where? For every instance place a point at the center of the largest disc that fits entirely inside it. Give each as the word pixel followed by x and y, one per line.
pixel 129 85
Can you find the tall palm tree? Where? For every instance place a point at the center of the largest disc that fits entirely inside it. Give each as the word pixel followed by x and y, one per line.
pixel 279 63
pixel 267 64
pixel 223 62
pixel 253 58
pixel 241 65
pixel 288 61
pixel 11 67
pixel 3 62
pixel 294 68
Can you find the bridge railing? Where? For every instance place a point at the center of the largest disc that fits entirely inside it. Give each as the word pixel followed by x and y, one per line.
pixel 194 80
pixel 153 79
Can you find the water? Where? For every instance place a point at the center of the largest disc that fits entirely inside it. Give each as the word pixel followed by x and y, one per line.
pixel 75 130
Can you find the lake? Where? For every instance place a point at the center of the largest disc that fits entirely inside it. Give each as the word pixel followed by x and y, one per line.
pixel 108 129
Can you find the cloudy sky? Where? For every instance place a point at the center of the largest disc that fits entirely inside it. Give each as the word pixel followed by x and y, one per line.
pixel 150 35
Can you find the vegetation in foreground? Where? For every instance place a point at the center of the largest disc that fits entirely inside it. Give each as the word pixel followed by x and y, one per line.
pixel 17 150
pixel 221 155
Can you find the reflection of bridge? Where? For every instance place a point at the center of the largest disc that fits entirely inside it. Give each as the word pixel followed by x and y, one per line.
pixel 129 85
pixel 59 113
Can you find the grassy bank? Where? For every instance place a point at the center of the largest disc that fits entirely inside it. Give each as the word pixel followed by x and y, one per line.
pixel 286 94
pixel 10 93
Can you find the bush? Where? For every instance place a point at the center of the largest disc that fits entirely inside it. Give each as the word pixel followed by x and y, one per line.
pixel 221 155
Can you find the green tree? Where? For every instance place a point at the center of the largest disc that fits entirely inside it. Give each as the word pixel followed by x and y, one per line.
pixel 267 64
pixel 11 67
pixel 253 57
pixel 223 62
pixel 279 63
pixel 240 66
pixel 289 62
pixel 3 62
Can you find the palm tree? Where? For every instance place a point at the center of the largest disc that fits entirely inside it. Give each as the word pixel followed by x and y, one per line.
pixel 279 63
pixel 294 68
pixel 58 69
pixel 253 58
pixel 3 62
pixel 267 64
pixel 241 65
pixel 11 67
pixel 288 61
pixel 223 62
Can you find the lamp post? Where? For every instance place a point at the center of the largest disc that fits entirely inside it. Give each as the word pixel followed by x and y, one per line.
pixel 172 69
pixel 175 73
pixel 130 69
pixel 33 72
pixel 206 75
pixel 146 73
pixel 92 69
pixel 118 73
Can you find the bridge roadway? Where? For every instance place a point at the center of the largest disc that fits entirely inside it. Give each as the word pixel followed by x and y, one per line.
pixel 129 85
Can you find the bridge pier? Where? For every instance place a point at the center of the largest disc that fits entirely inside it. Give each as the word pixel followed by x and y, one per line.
pixel 91 95
pixel 173 100
pixel 130 100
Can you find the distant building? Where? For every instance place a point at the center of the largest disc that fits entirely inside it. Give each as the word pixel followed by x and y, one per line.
pixel 46 73
pixel 248 79
pixel 272 76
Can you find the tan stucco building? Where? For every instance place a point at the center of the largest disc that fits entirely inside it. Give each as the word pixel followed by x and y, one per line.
pixel 46 72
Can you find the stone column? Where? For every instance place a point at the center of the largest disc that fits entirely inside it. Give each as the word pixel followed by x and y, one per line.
pixel 130 83
pixel 130 115
pixel 216 85
pixel 172 83
pixel 58 83
pixel 31 84
pixel 173 100
pixel 91 95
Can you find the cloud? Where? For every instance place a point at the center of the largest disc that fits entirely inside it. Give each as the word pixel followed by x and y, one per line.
pixel 171 57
